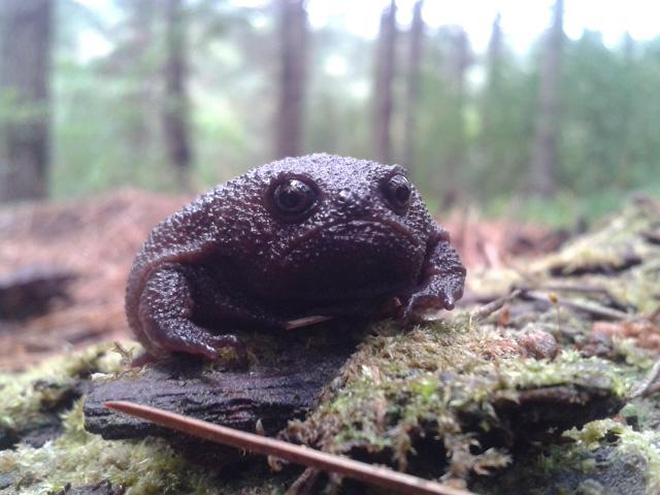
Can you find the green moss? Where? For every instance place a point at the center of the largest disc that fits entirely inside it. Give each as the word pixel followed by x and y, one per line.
pixel 142 467
pixel 27 399
pixel 442 381
pixel 630 442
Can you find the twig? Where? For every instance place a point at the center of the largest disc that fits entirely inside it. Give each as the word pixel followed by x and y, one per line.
pixel 490 308
pixel 305 482
pixel 581 288
pixel 648 385
pixel 305 321
pixel 375 475
pixel 593 309
pixel 655 314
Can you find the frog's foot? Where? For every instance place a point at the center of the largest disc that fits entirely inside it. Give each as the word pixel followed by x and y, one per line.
pixel 425 301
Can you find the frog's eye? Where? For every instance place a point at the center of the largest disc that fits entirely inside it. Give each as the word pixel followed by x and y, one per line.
pixel 293 197
pixel 398 192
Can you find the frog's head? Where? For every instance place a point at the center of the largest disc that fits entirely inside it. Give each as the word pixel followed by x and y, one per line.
pixel 341 227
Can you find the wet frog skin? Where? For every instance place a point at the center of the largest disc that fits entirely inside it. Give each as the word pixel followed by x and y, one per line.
pixel 318 235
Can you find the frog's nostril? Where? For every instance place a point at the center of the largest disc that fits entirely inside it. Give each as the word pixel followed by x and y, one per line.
pixel 345 194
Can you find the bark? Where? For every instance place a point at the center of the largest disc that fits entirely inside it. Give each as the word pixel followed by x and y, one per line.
pixel 283 383
pixel 293 77
pixel 545 158
pixel 385 69
pixel 175 118
pixel 25 41
pixel 412 88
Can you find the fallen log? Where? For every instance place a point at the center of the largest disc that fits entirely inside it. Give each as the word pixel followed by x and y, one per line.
pixel 282 383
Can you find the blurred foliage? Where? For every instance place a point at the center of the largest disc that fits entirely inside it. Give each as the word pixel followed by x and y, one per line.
pixel 473 146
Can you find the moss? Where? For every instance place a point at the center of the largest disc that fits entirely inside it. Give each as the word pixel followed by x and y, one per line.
pixel 628 443
pixel 446 398
pixel 442 381
pixel 29 398
pixel 142 467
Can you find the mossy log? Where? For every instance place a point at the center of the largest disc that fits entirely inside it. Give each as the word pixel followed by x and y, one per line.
pixel 280 384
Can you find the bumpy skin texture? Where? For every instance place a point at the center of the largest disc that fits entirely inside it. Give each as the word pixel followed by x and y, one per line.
pixel 232 258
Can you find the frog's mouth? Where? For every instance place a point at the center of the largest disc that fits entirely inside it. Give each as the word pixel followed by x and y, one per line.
pixel 357 258
pixel 356 230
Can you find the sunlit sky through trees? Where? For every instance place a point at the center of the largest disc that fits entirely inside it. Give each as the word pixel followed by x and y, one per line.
pixel 522 20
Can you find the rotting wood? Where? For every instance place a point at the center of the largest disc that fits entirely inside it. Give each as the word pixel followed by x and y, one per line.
pixel 282 383
pixel 31 290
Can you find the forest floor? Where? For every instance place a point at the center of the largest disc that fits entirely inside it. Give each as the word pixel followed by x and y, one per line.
pixel 542 381
pixel 94 241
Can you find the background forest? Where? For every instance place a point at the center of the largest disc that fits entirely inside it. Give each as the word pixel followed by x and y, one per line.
pixel 177 95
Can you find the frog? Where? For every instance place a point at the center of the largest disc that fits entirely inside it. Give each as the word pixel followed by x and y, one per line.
pixel 313 237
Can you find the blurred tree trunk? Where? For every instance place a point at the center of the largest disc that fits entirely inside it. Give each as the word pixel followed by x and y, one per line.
pixel 461 58
pixel 412 87
pixel 385 69
pixel 25 41
pixel 490 117
pixel 545 158
pixel 175 116
pixel 493 75
pixel 293 43
pixel 141 100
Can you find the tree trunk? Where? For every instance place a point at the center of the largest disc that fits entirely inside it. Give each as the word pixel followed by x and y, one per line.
pixel 25 41
pixel 175 118
pixel 460 61
pixel 545 158
pixel 494 54
pixel 141 101
pixel 385 68
pixel 412 88
pixel 293 40
pixel 491 93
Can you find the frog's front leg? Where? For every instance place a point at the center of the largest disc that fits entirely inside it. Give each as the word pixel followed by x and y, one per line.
pixel 442 278
pixel 169 308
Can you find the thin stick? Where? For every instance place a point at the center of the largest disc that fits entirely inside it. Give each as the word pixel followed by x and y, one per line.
pixel 655 314
pixel 488 309
pixel 305 321
pixel 593 309
pixel 374 475
pixel 648 384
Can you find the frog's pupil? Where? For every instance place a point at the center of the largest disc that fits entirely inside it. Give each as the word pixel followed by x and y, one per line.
pixel 402 193
pixel 290 198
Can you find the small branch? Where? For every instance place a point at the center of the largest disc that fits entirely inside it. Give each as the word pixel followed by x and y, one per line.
pixel 305 322
pixel 580 288
pixel 648 386
pixel 490 308
pixel 655 315
pixel 367 473
pixel 305 482
pixel 593 309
